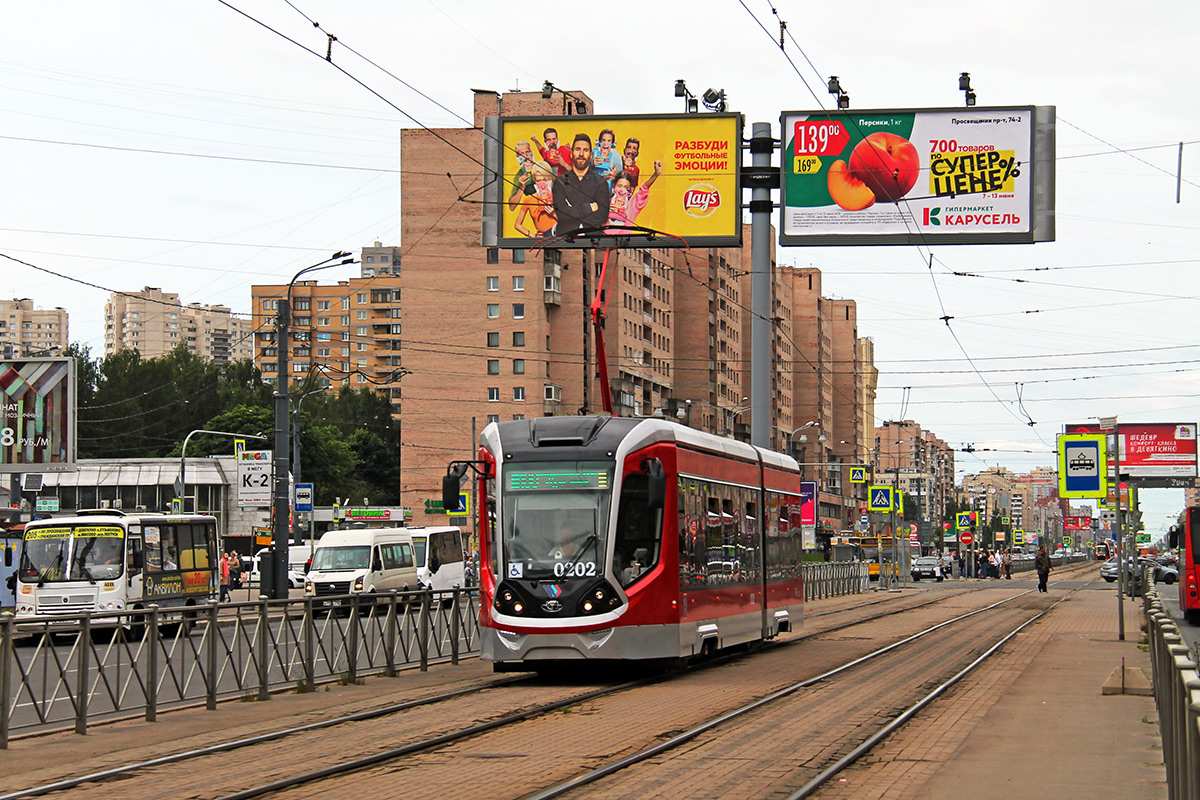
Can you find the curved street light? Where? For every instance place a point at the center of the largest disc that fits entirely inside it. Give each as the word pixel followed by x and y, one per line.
pixel 181 489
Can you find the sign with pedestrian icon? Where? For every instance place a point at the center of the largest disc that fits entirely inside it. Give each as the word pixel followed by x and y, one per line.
pixel 880 498
pixel 858 475
pixel 962 520
pixel 1082 465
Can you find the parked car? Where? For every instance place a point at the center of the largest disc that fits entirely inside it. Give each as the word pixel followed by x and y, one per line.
pixel 1161 572
pixel 923 567
pixel 1108 570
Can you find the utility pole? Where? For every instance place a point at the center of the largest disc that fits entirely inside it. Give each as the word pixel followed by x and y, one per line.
pixel 274 583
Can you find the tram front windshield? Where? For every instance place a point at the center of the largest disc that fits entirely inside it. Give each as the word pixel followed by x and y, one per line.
pixel 555 519
pixel 78 553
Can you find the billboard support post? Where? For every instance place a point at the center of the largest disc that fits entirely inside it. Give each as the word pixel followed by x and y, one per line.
pixel 761 147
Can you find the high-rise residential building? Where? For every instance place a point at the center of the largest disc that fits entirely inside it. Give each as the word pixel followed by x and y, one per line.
pixel 493 335
pixel 155 322
pixel 29 331
pixel 346 333
pixel 920 463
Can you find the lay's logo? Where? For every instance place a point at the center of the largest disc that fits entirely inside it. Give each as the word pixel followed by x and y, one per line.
pixel 701 200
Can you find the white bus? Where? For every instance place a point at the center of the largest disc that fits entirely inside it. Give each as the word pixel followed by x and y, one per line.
pixel 105 560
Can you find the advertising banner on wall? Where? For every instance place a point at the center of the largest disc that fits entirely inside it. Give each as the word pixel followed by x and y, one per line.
pixel 37 415
pixel 808 503
pixel 1077 523
pixel 254 474
pixel 918 176
pixel 607 176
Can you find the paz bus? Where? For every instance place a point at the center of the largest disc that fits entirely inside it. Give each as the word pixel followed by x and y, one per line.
pixel 103 560
pixel 620 539
pixel 869 547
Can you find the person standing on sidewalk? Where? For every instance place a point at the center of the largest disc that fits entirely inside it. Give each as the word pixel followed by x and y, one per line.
pixel 1042 565
pixel 1008 564
pixel 940 568
pixel 224 578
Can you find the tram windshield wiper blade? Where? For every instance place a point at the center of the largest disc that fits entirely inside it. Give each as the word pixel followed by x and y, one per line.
pixel 590 540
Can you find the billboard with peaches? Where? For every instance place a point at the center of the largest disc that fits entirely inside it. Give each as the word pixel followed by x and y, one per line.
pixel 667 180
pixel 918 176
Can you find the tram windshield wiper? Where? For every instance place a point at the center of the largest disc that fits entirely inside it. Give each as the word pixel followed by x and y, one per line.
pixel 590 540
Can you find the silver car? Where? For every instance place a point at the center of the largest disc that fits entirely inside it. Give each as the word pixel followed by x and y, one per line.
pixel 1108 570
pixel 923 567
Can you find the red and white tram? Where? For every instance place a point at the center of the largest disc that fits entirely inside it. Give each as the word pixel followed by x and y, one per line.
pixel 610 538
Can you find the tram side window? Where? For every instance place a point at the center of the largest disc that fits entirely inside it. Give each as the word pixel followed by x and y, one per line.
pixel 636 548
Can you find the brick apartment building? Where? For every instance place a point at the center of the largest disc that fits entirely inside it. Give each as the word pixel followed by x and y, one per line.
pixel 29 331
pixel 921 464
pixel 154 323
pixel 493 335
pixel 344 333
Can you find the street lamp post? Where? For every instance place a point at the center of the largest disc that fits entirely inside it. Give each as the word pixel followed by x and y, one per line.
pixel 181 489
pixel 274 584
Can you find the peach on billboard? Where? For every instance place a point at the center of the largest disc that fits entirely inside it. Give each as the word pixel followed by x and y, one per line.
pixel 641 179
pixel 966 176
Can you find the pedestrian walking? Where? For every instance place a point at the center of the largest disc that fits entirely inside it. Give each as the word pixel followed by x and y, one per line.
pixel 941 566
pixel 224 578
pixel 235 570
pixel 1042 565
pixel 962 565
pixel 1008 564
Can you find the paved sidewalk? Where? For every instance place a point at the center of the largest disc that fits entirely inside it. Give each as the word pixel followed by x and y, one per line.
pixel 1032 722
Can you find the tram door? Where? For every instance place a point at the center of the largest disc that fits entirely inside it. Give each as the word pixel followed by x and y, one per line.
pixel 10 557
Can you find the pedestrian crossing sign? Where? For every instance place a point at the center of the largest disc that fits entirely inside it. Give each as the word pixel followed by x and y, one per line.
pixel 858 475
pixel 962 520
pixel 880 498
pixel 1004 520
pixel 899 501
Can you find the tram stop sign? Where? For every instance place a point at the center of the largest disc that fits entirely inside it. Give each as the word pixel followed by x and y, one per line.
pixel 966 537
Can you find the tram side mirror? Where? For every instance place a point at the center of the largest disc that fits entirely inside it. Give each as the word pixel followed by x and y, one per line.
pixel 656 484
pixel 450 485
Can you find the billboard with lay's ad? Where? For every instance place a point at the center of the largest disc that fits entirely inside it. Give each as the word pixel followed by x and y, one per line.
pixel 918 176
pixel 632 181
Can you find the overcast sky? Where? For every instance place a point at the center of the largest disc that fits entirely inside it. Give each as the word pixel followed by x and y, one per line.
pixel 187 146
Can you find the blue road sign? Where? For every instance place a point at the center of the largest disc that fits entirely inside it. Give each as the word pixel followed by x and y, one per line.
pixel 1082 465
pixel 880 498
pixel 304 497
pixel 858 475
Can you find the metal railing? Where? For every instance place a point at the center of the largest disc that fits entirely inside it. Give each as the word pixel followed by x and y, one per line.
pixel 83 668
pixel 1177 695
pixel 832 578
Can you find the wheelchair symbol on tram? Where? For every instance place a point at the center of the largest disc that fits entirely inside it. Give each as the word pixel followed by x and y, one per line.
pixel 516 570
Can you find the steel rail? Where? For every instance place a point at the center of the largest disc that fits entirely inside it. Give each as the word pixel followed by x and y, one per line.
pixel 692 733
pixel 68 783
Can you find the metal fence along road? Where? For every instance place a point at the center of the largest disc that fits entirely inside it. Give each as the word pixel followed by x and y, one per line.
pixel 1177 695
pixel 82 668
pixel 75 670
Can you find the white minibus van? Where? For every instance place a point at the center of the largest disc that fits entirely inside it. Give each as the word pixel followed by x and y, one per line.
pixel 439 555
pixel 362 561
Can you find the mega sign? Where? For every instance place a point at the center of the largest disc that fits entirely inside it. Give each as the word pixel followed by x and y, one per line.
pixel 37 415
pixel 601 176
pixel 952 176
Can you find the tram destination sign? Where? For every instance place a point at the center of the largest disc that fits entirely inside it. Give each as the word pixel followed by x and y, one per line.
pixel 543 480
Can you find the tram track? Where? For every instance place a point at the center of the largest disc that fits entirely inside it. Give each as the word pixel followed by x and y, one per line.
pixel 529 711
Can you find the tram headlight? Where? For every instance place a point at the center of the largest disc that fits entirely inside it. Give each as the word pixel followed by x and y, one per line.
pixel 508 601
pixel 599 599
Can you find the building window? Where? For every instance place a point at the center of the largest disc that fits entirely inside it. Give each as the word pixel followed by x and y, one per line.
pixel 518 338
pixel 493 310
pixel 302 304
pixel 361 347
pixel 493 339
pixel 493 366
pixel 362 298
pixel 518 283
pixel 360 331
pixel 493 394
pixel 362 315
pixel 518 256
pixel 493 417
pixel 322 321
pixel 493 255
pixel 493 283
pixel 323 352
pixel 323 337
pixel 518 311
pixel 518 393
pixel 322 305
pixel 518 366
pixel 346 303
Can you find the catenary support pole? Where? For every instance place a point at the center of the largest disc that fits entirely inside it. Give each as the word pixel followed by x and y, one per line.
pixel 761 148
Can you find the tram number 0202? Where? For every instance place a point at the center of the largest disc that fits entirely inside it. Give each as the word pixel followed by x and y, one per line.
pixel 584 569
